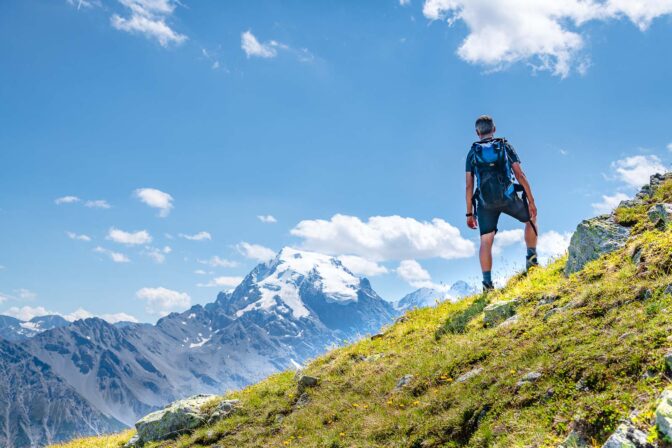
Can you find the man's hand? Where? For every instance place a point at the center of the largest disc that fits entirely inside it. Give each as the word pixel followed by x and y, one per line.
pixel 471 222
pixel 533 210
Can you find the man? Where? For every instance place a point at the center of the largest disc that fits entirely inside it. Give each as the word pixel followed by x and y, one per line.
pixel 494 163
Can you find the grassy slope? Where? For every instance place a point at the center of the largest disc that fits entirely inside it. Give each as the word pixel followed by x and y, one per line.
pixel 600 358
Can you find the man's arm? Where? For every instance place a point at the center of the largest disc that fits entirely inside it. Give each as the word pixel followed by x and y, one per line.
pixel 471 221
pixel 522 180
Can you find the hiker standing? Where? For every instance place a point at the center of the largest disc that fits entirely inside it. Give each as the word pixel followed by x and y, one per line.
pixel 495 164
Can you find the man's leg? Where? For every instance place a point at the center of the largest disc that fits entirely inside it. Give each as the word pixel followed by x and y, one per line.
pixel 531 243
pixel 485 256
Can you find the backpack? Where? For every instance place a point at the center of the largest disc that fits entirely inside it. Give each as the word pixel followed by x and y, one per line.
pixel 495 186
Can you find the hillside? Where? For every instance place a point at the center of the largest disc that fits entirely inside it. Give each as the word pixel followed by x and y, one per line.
pixel 581 354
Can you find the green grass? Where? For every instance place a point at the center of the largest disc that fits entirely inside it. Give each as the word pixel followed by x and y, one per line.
pixel 600 356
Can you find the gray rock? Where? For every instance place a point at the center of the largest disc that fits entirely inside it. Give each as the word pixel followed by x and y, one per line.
pixel 469 375
pixel 403 382
pixel 627 436
pixel 656 181
pixel 660 215
pixel 133 442
pixel 374 357
pixel 593 238
pixel 664 413
pixel 668 290
pixel 499 311
pixel 303 399
pixel 631 203
pixel 177 418
pixel 307 381
pixel 548 298
pixel 377 336
pixel 528 378
pixel 668 360
pixel 223 410
pixel 510 321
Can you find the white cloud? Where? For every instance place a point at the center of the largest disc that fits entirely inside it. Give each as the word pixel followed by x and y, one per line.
pixel 98 203
pixel 404 2
pixel 156 199
pixel 384 238
pixel 563 152
pixel 669 147
pixel 267 219
pixel 117 257
pixel 79 4
pixel 26 294
pixel 200 236
pixel 161 301
pixel 217 262
pixel 66 200
pixel 27 312
pixel 148 17
pixel 157 254
pixel 552 244
pixel 200 272
pixel 224 282
pixel 255 251
pixel 544 33
pixel 79 237
pixel 362 266
pixel 129 238
pixel 113 318
pixel 415 275
pixel 609 203
pixel 507 238
pixel 252 47
pixel 636 170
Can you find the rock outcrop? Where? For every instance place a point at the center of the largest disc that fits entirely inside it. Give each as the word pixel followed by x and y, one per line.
pixel 177 418
pixel 593 238
pixel 499 312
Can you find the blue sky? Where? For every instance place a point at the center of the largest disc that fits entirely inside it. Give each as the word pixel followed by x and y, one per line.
pixel 347 122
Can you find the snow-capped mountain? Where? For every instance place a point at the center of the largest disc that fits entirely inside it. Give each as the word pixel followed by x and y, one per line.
pixel 429 297
pixel 13 329
pixel 285 311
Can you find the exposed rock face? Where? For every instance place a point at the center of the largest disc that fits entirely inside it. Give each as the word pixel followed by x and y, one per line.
pixel 469 375
pixel 499 312
pixel 593 238
pixel 627 436
pixel 178 418
pixel 660 215
pixel 39 407
pixel 664 413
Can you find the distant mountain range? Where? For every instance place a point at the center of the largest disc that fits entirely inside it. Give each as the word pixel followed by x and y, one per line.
pixel 61 379
pixel 429 297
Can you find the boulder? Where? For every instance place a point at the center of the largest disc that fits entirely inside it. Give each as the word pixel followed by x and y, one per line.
pixel 403 382
pixel 469 375
pixel 627 436
pixel 655 181
pixel 303 399
pixel 528 378
pixel 593 238
pixel 499 311
pixel 307 381
pixel 660 215
pixel 223 410
pixel 177 418
pixel 664 413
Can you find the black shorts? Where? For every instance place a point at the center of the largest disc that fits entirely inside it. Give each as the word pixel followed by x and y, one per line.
pixel 488 217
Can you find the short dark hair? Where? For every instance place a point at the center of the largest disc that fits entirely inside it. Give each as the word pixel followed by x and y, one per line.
pixel 485 125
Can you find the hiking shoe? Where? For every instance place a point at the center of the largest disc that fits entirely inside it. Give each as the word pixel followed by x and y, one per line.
pixel 531 261
pixel 488 286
